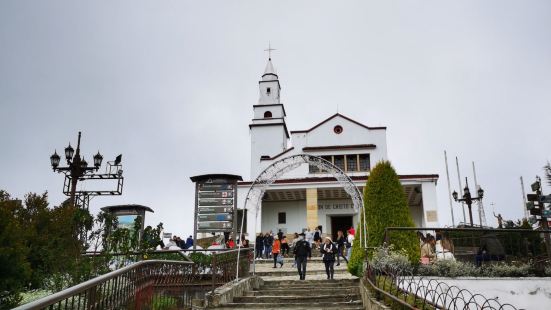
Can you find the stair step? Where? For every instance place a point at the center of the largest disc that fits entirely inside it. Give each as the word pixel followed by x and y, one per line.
pixel 297 297
pixel 310 283
pixel 295 305
pixel 309 291
pixel 279 272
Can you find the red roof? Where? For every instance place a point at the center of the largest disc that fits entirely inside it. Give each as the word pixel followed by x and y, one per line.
pixel 332 117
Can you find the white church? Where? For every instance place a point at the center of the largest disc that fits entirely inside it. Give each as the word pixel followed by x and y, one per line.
pixel 306 197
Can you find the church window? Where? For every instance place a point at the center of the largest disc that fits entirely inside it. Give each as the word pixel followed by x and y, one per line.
pixel 267 114
pixel 337 129
pixel 364 162
pixel 339 161
pixel 268 91
pixel 282 218
pixel 352 163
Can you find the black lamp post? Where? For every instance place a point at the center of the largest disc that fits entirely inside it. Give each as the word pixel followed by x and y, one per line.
pixel 76 167
pixel 468 199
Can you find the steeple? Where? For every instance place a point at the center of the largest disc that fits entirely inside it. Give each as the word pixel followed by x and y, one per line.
pixel 269 85
pixel 269 135
pixel 269 72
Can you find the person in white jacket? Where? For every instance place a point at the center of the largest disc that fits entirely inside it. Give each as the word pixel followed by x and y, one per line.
pixel 350 242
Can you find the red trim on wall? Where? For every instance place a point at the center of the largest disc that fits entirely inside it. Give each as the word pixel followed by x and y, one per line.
pixel 353 178
pixel 339 147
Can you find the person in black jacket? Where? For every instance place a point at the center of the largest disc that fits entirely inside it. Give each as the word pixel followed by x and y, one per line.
pixel 341 243
pixel 328 250
pixel 302 252
pixel 259 246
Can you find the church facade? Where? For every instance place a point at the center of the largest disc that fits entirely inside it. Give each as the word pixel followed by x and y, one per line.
pixel 307 197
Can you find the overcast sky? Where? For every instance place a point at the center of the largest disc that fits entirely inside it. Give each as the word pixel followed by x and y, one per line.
pixel 171 84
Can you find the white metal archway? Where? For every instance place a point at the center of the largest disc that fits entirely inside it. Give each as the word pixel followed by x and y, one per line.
pixel 287 164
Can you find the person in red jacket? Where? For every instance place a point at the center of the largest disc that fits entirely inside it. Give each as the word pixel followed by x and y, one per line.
pixel 276 248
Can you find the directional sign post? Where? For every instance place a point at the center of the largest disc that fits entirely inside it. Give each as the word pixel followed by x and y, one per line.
pixel 215 203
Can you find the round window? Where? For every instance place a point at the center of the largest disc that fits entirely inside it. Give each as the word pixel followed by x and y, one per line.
pixel 337 129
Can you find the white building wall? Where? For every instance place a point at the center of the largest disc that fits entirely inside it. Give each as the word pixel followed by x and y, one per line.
pixel 295 215
pixel 266 140
pixel 430 205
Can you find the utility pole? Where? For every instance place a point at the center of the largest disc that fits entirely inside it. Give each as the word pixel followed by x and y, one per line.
pixel 449 188
pixel 459 181
pixel 481 213
pixel 526 213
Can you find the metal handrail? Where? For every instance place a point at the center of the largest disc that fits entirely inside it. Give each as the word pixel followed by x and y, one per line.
pixel 82 287
pixel 427 292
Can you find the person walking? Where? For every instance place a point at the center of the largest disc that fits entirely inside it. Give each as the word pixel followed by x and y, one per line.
pixel 341 243
pixel 328 250
pixel 302 252
pixel 259 245
pixel 268 242
pixel 284 246
pixel 349 243
pixel 309 237
pixel 317 237
pixel 276 248
pixel 293 246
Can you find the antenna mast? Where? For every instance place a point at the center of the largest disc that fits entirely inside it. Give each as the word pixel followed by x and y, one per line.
pixel 481 213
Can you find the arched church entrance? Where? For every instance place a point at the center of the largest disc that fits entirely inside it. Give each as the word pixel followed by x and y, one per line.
pixel 276 170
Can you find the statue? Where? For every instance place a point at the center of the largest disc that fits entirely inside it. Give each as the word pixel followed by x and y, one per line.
pixel 499 219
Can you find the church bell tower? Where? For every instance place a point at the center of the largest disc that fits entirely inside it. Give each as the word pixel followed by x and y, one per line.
pixel 269 135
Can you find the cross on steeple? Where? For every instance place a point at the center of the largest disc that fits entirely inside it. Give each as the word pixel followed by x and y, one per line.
pixel 269 50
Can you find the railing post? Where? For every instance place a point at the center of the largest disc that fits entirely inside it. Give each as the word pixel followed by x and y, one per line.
pixel 213 272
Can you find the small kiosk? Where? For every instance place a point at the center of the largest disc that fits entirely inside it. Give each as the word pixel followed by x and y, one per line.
pixel 126 214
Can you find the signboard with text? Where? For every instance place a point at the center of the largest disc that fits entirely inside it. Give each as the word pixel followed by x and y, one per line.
pixel 215 203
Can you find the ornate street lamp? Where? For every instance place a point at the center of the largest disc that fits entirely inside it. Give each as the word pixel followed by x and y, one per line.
pixel 76 168
pixel 468 199
pixel 54 160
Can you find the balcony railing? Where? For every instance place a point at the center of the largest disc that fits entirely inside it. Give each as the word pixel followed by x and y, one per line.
pixel 166 284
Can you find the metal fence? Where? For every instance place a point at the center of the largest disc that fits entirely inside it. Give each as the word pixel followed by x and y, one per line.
pixel 518 245
pixel 224 265
pixel 150 284
pixel 403 290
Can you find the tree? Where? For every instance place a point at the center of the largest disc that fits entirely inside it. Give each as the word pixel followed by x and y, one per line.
pixel 385 205
pixel 14 268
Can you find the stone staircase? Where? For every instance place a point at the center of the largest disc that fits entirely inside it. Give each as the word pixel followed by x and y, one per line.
pixel 282 289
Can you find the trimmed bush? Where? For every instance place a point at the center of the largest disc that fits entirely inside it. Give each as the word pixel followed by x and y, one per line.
pixel 385 205
pixel 357 258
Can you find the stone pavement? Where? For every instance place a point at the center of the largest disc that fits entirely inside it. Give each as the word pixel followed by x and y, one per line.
pixel 282 288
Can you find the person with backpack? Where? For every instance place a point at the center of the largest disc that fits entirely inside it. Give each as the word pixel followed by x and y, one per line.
pixel 341 243
pixel 328 250
pixel 302 252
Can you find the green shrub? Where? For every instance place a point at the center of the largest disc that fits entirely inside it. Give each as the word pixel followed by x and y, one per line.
pixel 388 257
pixel 356 264
pixel 449 268
pixel 385 205
pixel 161 302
